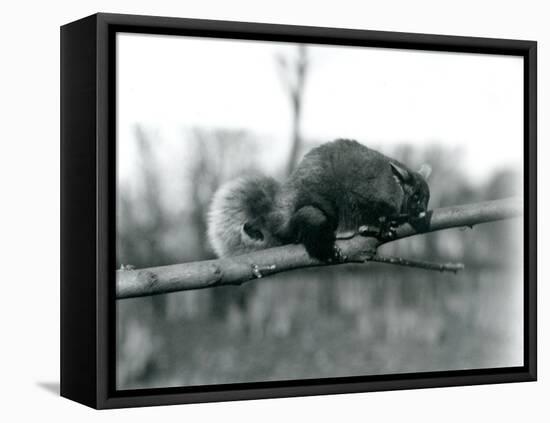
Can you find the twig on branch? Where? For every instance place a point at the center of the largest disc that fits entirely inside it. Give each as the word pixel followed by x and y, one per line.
pixel 239 269
pixel 444 267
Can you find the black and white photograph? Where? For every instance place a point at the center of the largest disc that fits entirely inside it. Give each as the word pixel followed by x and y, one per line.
pixel 276 211
pixel 291 211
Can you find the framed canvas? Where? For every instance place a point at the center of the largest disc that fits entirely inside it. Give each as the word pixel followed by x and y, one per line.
pixel 255 210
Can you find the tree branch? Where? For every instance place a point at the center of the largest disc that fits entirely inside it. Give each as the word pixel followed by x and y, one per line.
pixel 420 264
pixel 239 269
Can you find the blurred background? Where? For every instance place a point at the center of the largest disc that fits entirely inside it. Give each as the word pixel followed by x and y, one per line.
pixel 195 113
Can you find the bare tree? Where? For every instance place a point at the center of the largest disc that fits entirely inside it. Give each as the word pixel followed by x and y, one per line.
pixel 294 71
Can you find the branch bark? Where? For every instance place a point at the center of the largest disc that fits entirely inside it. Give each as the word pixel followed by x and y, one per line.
pixel 239 269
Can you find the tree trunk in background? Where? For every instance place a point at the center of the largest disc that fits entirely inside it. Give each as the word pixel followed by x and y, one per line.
pixel 294 77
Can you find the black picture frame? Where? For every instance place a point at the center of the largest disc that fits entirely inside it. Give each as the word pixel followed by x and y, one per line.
pixel 88 60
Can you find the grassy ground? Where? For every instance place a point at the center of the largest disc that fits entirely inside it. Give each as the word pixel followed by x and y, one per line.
pixel 327 324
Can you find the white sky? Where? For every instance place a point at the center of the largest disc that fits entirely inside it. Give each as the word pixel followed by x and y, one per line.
pixel 381 97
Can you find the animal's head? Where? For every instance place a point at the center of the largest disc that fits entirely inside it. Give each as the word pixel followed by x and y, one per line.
pixel 415 187
pixel 237 219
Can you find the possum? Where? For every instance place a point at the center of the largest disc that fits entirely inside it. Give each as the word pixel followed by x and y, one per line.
pixel 339 189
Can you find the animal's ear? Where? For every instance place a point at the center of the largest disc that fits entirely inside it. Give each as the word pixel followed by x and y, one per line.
pixel 400 172
pixel 425 170
pixel 253 232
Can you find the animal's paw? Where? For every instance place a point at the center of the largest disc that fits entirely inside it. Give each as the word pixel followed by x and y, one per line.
pixel 389 225
pixel 385 230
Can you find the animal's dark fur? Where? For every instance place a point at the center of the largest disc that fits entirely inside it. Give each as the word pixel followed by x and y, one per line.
pixel 338 187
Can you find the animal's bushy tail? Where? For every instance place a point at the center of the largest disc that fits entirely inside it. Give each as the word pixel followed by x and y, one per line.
pixel 237 218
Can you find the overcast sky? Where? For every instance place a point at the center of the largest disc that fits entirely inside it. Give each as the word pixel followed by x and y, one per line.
pixel 381 97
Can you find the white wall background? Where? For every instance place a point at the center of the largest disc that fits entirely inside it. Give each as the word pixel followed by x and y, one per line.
pixel 29 167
